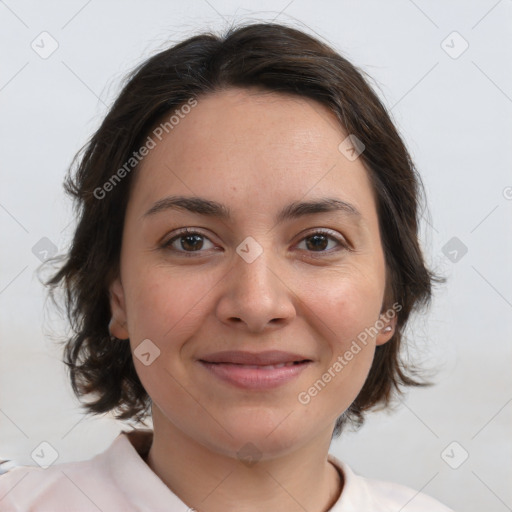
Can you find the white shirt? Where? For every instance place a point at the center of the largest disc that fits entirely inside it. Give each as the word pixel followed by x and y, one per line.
pixel 119 480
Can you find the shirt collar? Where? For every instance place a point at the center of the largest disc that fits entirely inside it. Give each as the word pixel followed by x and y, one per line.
pixel 147 492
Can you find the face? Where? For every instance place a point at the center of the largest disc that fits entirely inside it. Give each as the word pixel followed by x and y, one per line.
pixel 213 314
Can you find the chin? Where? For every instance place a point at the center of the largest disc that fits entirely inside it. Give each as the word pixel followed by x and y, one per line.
pixel 258 433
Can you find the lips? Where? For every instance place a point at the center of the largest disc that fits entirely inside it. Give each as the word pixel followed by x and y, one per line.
pixel 271 358
pixel 255 371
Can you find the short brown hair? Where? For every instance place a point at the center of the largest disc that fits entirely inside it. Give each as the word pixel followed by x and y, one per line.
pixel 274 58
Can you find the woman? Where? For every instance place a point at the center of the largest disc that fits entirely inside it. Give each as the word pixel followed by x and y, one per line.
pixel 245 262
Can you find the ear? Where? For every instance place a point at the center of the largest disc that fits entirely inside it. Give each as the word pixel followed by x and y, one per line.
pixel 387 331
pixel 118 323
pixel 387 321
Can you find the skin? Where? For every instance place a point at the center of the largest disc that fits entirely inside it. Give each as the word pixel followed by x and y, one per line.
pixel 255 152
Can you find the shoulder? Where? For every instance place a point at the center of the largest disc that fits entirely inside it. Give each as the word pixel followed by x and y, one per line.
pixel 37 489
pixel 21 486
pixel 410 499
pixel 360 493
pixel 78 486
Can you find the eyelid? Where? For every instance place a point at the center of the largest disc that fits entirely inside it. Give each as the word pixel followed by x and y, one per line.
pixel 344 244
pixel 334 235
pixel 181 233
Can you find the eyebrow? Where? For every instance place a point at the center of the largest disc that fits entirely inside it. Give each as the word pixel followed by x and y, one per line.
pixel 294 210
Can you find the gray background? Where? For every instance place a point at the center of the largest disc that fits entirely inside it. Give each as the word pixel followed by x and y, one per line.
pixel 454 111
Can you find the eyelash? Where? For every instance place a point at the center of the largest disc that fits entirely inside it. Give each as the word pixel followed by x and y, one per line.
pixel 192 254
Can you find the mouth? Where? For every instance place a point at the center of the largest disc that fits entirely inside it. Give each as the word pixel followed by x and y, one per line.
pixel 262 367
pixel 257 371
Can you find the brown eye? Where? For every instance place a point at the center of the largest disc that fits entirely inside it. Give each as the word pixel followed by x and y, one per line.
pixel 191 242
pixel 319 241
pixel 187 241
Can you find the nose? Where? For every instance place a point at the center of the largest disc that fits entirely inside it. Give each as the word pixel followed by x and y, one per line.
pixel 256 296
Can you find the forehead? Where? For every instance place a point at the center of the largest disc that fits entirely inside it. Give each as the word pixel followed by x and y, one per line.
pixel 252 149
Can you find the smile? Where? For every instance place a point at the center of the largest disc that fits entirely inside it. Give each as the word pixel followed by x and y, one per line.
pixel 256 377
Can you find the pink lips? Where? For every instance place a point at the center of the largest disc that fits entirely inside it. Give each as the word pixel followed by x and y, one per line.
pixel 251 370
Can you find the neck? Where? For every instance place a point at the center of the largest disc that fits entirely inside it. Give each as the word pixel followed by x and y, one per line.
pixel 212 482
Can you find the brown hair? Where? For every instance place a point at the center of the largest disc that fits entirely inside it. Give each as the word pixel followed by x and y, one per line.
pixel 274 58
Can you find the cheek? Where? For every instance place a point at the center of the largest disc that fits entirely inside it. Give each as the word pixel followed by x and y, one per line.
pixel 163 303
pixel 346 302
pixel 347 309
pixel 166 306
